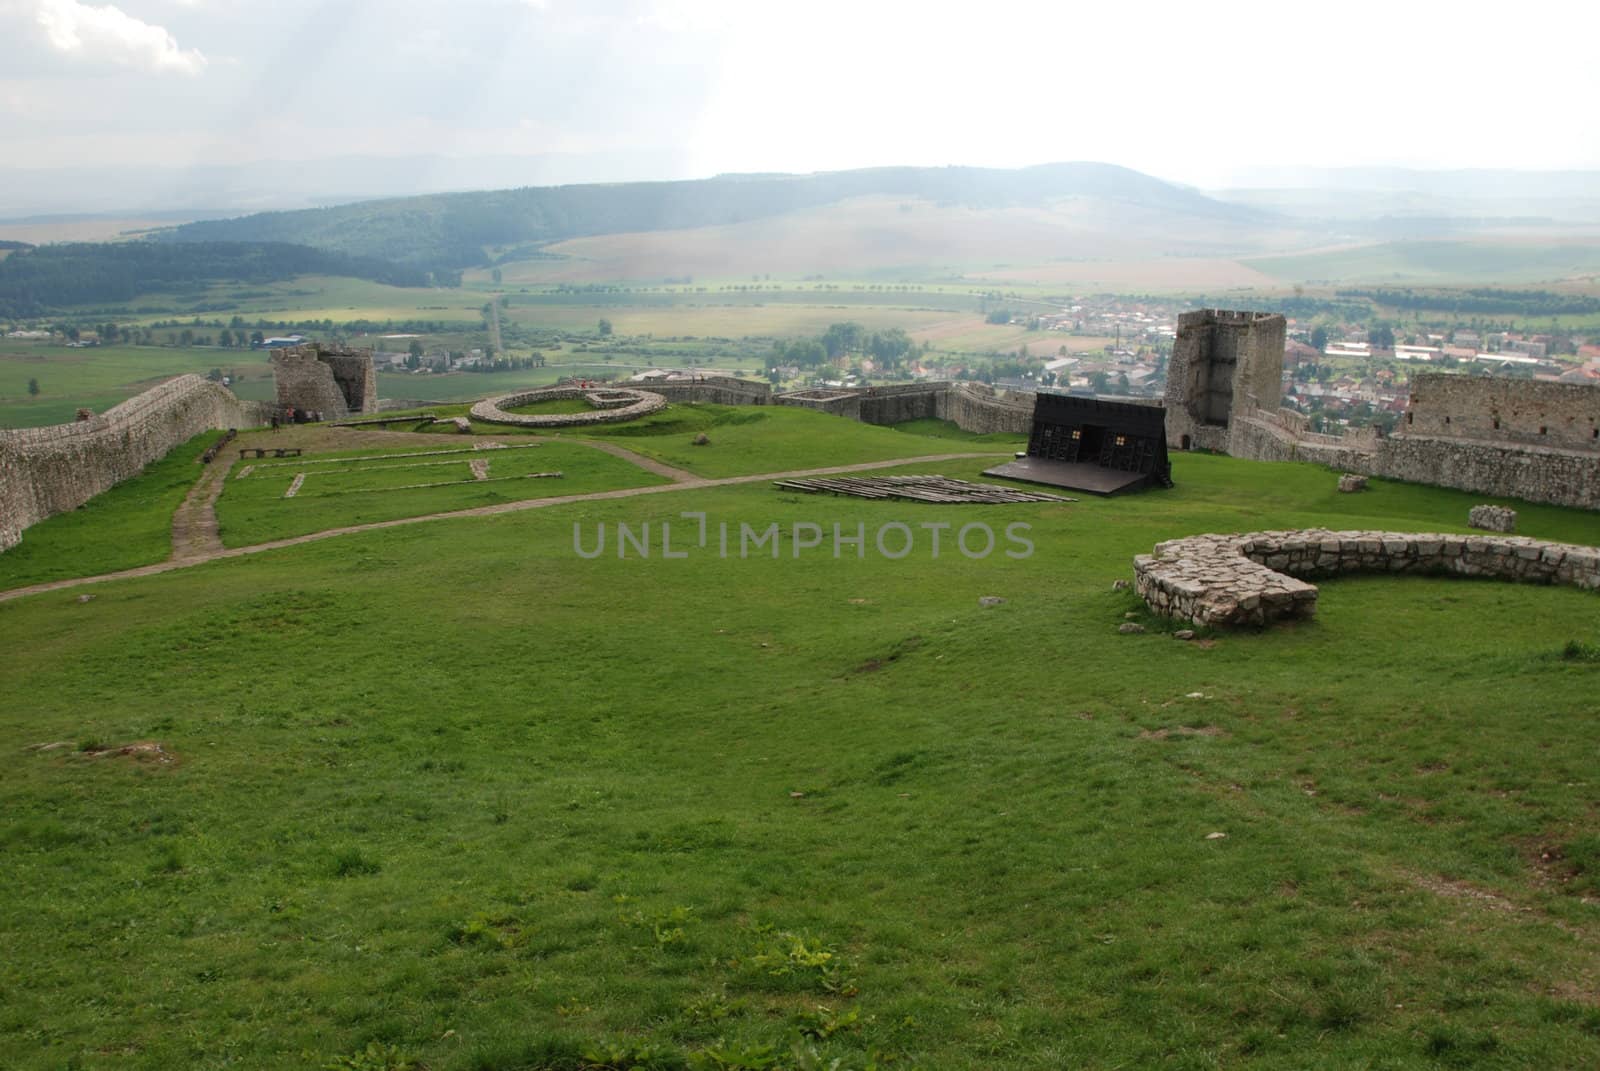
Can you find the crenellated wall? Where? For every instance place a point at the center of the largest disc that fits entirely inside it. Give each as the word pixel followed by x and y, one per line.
pixel 45 471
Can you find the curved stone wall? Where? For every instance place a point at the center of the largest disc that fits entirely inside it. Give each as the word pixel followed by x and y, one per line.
pixel 611 405
pixel 45 471
pixel 1255 578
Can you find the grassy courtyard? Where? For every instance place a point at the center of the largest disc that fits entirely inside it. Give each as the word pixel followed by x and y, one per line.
pixel 453 796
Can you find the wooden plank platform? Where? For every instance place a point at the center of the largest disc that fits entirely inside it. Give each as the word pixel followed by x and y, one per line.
pixel 1071 475
pixel 939 489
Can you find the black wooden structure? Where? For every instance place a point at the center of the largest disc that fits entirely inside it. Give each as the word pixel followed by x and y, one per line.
pixel 1088 444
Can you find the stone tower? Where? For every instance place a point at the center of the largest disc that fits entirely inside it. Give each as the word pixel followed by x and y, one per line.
pixel 1224 365
pixel 322 379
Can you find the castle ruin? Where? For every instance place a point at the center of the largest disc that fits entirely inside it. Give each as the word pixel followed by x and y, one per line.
pixel 1513 438
pixel 331 381
pixel 1222 363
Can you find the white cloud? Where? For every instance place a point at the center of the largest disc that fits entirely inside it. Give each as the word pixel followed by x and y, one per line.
pixel 106 33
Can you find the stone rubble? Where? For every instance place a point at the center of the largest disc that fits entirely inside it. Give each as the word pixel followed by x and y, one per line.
pixel 1493 518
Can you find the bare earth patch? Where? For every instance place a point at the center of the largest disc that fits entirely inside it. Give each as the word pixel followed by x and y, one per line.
pixel 1182 730
pixel 139 751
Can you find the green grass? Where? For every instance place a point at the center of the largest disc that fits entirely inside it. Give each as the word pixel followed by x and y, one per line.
pixel 554 405
pixel 949 429
pixel 751 439
pixel 127 526
pixel 452 794
pixel 252 509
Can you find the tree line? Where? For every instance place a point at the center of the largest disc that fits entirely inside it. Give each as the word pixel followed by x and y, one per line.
pixel 1484 300
pixel 888 350
pixel 35 282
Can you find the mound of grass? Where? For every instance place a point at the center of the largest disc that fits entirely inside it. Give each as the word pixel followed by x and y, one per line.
pixel 128 526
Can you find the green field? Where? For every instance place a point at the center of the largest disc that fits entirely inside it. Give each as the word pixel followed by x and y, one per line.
pixel 101 376
pixel 1439 263
pixel 454 796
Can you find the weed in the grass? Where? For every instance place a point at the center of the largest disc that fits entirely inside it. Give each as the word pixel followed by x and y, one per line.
pixel 799 961
pixel 353 862
pixel 710 1008
pixel 375 1057
pixel 487 931
pixel 823 1022
pixel 1577 651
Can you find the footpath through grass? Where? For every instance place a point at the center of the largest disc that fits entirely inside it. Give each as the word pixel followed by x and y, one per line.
pixel 127 526
pixel 455 796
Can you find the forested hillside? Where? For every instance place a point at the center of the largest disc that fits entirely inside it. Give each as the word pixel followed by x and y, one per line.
pixel 36 281
pixel 450 231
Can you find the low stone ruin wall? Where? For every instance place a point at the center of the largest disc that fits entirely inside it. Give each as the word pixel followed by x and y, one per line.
pixel 45 471
pixel 970 406
pixel 1227 581
pixel 719 390
pixel 983 411
pixel 614 406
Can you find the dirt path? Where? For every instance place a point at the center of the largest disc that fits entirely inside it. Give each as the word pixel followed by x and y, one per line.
pixel 194 525
pixel 689 482
pixel 648 464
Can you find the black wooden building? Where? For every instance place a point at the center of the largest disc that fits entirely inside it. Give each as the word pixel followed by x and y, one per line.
pixel 1088 444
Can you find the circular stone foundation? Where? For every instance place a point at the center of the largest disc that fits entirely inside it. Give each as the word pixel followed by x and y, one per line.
pixel 611 405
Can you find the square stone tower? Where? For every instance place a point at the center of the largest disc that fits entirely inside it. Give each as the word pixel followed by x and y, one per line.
pixel 1224 365
pixel 324 379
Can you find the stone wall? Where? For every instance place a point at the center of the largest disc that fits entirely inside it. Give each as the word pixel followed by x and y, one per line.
pixel 972 407
pixel 45 471
pixel 1514 438
pixel 1233 580
pixel 323 379
pixel 611 405
pixel 719 390
pixel 1562 478
pixel 1522 412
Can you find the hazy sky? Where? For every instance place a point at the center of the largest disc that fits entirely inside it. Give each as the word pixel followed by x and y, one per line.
pixel 687 88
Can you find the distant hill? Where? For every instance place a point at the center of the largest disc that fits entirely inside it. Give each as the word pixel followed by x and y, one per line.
pixel 444 232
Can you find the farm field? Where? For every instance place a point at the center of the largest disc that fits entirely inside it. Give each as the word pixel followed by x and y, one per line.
pixel 1507 261
pixel 454 795
pixel 712 320
pixel 101 376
